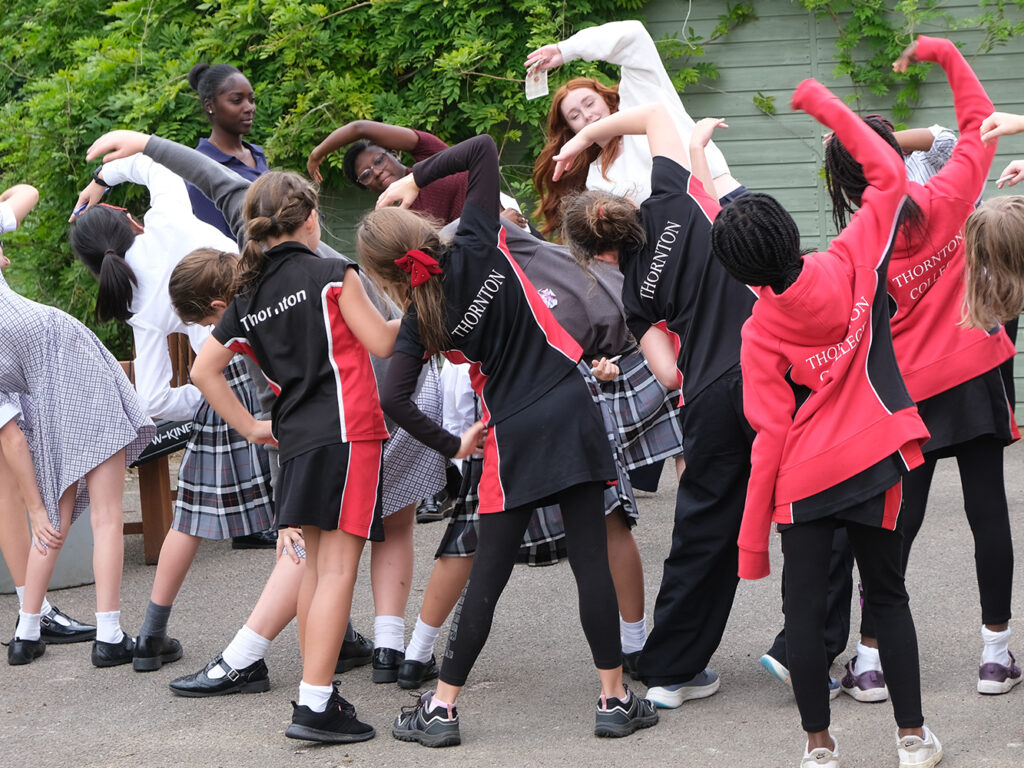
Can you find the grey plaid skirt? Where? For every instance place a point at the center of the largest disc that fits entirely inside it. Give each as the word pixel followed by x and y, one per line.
pixel 411 470
pixel 544 540
pixel 224 480
pixel 649 426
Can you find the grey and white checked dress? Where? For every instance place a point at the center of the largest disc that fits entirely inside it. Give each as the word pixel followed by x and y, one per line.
pixel 83 408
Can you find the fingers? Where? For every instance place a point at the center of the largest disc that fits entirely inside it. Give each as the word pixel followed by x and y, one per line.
pixel 313 167
pixel 1012 175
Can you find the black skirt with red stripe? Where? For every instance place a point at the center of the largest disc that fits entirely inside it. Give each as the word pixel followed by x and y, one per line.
pixel 554 443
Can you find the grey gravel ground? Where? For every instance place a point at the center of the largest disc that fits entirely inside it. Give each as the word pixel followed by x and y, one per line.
pixel 530 700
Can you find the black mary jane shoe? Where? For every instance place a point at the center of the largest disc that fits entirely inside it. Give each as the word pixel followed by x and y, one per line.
pixel 113 654
pixel 57 627
pixel 412 674
pixel 152 652
pixel 385 664
pixel 261 540
pixel 24 651
pixel 253 679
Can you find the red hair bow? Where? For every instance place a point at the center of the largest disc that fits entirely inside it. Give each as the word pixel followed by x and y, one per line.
pixel 419 265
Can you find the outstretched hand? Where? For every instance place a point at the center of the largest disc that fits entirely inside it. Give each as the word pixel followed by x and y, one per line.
pixel 117 144
pixel 1000 124
pixel 545 57
pixel 404 192
pixel 908 57
pixel 703 130
pixel 1013 174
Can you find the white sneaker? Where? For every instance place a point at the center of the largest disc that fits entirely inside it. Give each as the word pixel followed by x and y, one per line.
pixel 776 669
pixel 915 752
pixel 701 686
pixel 821 757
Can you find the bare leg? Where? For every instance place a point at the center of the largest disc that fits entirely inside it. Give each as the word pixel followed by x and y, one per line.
pixel 626 567
pixel 40 567
pixel 15 535
pixel 446 583
pixel 391 563
pixel 335 559
pixel 176 555
pixel 611 683
pixel 279 600
pixel 106 488
pixel 680 466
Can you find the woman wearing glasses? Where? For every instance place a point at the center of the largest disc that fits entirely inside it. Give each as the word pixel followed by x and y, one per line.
pixel 224 481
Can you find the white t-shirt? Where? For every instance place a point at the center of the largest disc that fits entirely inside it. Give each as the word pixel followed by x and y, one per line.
pixel 8 223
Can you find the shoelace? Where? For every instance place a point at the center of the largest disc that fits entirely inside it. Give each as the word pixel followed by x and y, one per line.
pixel 410 709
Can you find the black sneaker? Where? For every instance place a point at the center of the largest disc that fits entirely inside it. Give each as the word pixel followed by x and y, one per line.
pixel 337 724
pixel 354 653
pixel 24 651
pixel 253 679
pixel 385 664
pixel 616 718
pixel 412 674
pixel 113 654
pixel 439 728
pixel 57 627
pixel 153 651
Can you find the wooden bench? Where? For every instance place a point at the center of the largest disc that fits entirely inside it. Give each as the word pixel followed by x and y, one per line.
pixel 155 494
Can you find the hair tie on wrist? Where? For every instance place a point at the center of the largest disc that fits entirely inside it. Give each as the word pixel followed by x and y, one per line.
pixel 419 265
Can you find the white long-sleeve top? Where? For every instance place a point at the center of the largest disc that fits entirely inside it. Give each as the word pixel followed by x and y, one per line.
pixel 458 402
pixel 171 233
pixel 643 81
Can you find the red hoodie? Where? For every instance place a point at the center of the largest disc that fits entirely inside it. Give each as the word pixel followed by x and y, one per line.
pixel 826 339
pixel 927 269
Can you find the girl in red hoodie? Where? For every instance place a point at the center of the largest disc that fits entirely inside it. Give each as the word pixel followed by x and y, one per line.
pixel 951 371
pixel 836 428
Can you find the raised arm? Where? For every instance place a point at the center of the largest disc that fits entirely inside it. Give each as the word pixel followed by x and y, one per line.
pixel 20 199
pixel 382 134
pixel 883 169
pixel 652 120
pixel 963 177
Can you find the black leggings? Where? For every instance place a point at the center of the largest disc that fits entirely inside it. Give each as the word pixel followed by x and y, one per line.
pixel 500 536
pixel 807 548
pixel 980 462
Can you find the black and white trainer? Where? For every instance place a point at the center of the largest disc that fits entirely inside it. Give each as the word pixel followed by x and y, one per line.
pixel 337 724
pixel 617 718
pixel 431 728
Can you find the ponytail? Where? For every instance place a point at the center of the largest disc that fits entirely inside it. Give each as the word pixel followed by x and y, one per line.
pixel 101 237
pixel 595 222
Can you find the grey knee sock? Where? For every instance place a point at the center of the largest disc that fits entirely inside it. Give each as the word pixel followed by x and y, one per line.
pixel 155 623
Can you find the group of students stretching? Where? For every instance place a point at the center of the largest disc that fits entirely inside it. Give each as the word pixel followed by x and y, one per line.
pixel 814 390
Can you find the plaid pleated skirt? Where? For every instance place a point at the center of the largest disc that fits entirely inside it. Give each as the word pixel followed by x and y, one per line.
pixel 544 540
pixel 649 425
pixel 224 480
pixel 411 470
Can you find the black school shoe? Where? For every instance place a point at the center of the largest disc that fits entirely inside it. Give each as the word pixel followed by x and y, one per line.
pixel 261 540
pixel 57 627
pixel 24 651
pixel 354 653
pixel 385 664
pixel 337 724
pixel 113 654
pixel 253 679
pixel 412 674
pixel 616 718
pixel 431 729
pixel 152 652
pixel 629 661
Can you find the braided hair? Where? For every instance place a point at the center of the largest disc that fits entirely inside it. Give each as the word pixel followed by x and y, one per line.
pixel 845 179
pixel 757 242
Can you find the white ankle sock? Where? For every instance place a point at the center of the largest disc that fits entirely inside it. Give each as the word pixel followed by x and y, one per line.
pixel 314 696
pixel 45 608
pixel 245 649
pixel 28 626
pixel 389 632
pixel 421 644
pixel 633 634
pixel 996 648
pixel 108 627
pixel 21 596
pixel 867 659
pixel 436 703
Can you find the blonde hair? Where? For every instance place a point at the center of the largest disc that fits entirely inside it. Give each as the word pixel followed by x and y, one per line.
pixel 204 276
pixel 276 204
pixel 388 234
pixel 595 222
pixel 994 247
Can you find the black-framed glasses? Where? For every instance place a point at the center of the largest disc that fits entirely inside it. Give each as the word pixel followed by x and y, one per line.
pixel 378 161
